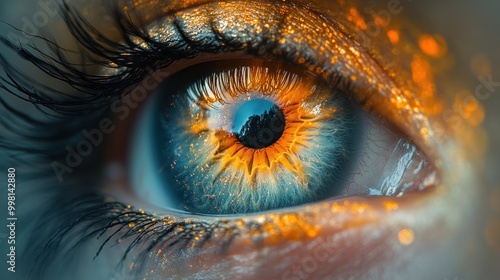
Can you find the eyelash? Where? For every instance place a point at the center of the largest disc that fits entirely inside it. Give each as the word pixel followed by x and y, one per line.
pixel 100 214
pixel 101 90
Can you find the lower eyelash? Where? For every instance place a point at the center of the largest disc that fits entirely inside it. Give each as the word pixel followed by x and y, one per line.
pixel 118 222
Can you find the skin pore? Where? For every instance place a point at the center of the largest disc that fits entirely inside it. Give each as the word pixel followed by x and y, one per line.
pixel 444 232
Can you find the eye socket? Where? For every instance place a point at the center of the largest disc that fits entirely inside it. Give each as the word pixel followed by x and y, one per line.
pixel 220 186
pixel 300 141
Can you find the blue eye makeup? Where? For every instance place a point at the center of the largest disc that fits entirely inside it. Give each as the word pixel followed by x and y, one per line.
pixel 240 118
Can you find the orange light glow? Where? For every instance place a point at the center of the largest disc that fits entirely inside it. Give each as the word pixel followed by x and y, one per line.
pixel 432 46
pixel 391 205
pixel 357 18
pixel 480 65
pixel 406 236
pixel 469 108
pixel 393 36
pixel 380 21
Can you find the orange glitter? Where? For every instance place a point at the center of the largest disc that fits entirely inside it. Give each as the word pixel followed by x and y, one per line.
pixel 350 207
pixel 289 227
pixel 422 76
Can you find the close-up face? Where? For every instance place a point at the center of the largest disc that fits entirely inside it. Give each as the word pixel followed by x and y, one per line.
pixel 256 139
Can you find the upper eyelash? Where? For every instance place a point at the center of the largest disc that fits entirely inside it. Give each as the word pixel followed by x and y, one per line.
pixel 98 90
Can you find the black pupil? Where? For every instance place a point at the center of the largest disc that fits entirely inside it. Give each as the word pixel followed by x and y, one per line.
pixel 262 126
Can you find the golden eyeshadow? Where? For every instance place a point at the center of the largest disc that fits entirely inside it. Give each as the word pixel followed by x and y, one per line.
pixel 325 49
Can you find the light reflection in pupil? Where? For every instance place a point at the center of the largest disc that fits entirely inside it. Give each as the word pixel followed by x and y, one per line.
pixel 258 123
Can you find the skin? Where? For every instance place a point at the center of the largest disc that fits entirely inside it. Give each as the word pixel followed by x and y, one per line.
pixel 448 232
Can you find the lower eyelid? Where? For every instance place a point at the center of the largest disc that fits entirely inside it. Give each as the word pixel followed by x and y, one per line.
pixel 347 227
pixel 355 226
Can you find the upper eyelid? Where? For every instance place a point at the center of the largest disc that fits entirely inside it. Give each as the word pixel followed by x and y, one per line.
pixel 317 44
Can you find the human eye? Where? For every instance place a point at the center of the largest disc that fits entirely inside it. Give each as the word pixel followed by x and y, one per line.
pixel 237 139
